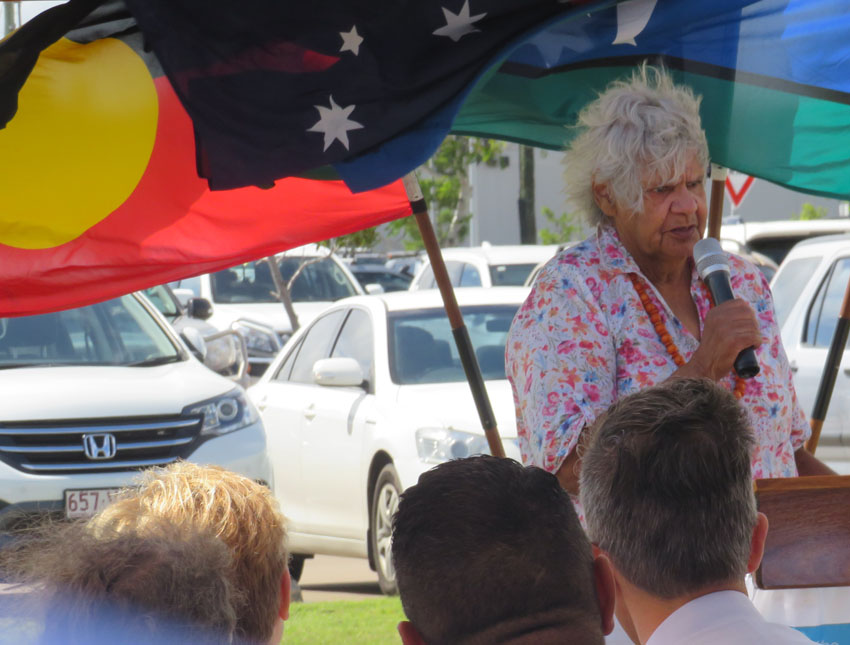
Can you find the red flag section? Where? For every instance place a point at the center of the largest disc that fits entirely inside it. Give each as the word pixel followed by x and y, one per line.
pixel 100 194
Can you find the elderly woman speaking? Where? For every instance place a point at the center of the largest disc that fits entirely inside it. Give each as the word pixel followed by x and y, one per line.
pixel 626 309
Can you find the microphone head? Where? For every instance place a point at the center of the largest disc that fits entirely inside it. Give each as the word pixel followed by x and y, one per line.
pixel 710 257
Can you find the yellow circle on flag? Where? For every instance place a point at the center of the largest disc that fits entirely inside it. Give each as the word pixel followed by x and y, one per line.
pixel 79 143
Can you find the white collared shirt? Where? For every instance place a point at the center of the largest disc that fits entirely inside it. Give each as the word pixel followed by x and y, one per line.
pixel 722 618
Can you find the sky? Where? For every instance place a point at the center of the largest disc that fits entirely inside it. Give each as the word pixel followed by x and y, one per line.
pixel 30 8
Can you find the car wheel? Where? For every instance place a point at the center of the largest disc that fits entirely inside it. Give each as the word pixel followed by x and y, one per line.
pixel 384 505
pixel 296 566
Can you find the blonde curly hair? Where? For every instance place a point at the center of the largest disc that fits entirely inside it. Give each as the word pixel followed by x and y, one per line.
pixel 239 511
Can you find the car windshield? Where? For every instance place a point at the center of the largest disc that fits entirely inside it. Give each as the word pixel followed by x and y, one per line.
pixel 422 348
pixel 510 275
pixel 162 299
pixel 115 332
pixel 320 280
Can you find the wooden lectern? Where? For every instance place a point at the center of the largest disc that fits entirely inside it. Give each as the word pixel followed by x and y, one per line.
pixel 808 539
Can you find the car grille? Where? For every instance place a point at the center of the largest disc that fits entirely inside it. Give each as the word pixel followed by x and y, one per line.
pixel 51 447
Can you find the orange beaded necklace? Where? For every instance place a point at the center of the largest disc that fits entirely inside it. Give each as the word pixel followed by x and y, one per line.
pixel 665 337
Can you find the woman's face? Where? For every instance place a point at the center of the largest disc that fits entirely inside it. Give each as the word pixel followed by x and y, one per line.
pixel 672 221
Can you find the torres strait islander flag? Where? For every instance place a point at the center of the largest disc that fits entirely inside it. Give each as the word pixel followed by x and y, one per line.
pixel 99 193
pixel 774 76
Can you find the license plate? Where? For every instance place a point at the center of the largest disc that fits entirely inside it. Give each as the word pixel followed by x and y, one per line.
pixel 85 503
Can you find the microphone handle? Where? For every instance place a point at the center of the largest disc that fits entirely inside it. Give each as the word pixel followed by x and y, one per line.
pixel 746 365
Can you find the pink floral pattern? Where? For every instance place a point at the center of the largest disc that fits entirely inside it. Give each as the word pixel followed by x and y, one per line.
pixel 582 340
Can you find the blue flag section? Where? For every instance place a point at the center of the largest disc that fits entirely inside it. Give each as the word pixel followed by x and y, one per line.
pixel 774 76
pixel 369 86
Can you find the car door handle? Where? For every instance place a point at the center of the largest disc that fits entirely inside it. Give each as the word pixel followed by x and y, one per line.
pixel 847 371
pixel 794 366
pixel 310 412
pixel 262 404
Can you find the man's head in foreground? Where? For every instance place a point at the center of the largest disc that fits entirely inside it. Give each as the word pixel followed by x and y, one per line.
pixel 668 495
pixel 170 585
pixel 240 512
pixel 488 551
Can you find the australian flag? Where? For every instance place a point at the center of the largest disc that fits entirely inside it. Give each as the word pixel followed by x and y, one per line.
pixel 278 88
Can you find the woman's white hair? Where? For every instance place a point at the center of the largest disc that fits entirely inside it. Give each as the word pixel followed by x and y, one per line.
pixel 646 125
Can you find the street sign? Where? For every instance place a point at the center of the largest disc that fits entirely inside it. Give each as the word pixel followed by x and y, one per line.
pixel 737 185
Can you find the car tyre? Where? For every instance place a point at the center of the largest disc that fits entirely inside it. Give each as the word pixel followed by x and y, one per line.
pixel 384 504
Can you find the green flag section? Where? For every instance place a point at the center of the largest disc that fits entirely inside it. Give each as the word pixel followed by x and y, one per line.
pixel 774 77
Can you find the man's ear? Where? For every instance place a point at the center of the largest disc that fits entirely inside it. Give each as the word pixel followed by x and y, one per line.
pixel 603 199
pixel 757 543
pixel 603 574
pixel 285 593
pixel 408 633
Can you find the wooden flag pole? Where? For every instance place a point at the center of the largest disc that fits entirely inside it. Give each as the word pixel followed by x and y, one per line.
pixel 715 212
pixel 830 372
pixel 459 331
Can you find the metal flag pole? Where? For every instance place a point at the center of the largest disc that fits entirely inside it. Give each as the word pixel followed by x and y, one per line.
pixel 830 372
pixel 459 331
pixel 715 212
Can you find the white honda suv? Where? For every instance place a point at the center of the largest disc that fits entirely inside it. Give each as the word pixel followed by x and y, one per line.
pixel 90 396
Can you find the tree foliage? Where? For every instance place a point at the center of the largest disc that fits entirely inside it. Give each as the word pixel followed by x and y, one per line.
pixel 810 212
pixel 565 227
pixel 444 180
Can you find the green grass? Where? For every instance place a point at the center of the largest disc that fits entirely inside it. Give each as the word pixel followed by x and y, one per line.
pixel 362 622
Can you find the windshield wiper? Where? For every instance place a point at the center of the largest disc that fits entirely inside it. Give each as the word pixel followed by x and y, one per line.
pixel 157 360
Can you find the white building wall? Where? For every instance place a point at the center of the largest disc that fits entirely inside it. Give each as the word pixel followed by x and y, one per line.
pixel 496 196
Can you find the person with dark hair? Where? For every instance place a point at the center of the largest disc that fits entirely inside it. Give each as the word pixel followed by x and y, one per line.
pixel 487 551
pixel 667 492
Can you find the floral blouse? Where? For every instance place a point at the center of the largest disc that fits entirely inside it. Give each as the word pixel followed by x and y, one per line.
pixel 582 340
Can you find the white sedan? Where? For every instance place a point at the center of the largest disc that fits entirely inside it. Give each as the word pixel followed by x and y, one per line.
pixel 366 398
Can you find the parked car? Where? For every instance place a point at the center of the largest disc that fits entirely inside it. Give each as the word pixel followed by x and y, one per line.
pixel 387 279
pixel 776 238
pixel 486 265
pixel 366 398
pixel 408 263
pixel 242 297
pixel 92 395
pixel 764 263
pixel 222 351
pixel 808 291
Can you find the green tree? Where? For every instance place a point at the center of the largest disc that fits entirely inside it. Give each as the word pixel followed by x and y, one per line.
pixel 810 212
pixel 348 245
pixel 565 227
pixel 444 180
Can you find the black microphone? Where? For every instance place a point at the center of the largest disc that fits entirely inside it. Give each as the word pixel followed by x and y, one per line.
pixel 713 268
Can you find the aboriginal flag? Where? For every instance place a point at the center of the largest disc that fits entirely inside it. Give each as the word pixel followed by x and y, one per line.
pixel 99 193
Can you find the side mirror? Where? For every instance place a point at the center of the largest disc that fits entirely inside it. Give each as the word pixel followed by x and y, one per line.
pixel 195 341
pixel 339 372
pixel 199 308
pixel 373 289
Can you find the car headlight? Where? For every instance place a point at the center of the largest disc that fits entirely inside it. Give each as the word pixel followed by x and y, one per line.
pixel 436 445
pixel 225 413
pixel 259 339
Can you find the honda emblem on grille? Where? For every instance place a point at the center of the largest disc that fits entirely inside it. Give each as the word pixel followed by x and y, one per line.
pixel 99 446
